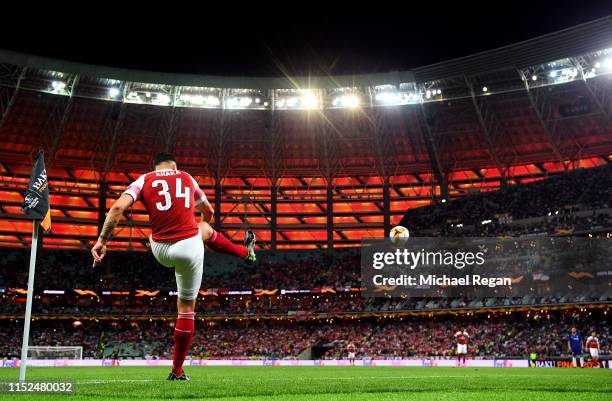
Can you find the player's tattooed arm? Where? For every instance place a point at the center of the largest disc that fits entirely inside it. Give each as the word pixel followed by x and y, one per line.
pixel 112 219
pixel 114 216
pixel 207 211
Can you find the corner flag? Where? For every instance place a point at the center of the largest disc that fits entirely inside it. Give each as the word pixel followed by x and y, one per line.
pixel 36 206
pixel 36 202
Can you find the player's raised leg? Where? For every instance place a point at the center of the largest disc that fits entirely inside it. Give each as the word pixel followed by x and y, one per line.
pixel 220 243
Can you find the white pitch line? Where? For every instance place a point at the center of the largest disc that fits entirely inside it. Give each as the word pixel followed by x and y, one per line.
pixel 118 381
pixel 233 378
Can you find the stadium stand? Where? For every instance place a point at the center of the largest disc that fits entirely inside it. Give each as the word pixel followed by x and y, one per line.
pixel 505 335
pixel 512 335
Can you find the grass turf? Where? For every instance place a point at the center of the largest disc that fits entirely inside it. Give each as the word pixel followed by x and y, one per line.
pixel 324 383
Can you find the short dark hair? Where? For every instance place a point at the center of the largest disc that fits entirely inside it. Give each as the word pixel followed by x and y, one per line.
pixel 162 157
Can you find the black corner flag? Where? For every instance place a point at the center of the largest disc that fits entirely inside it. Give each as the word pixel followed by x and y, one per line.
pixel 36 202
pixel 36 206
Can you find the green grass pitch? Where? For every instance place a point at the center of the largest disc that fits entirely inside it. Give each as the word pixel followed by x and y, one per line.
pixel 324 383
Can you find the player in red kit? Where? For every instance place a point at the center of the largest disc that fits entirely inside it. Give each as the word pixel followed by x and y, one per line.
pixel 171 197
pixel 351 351
pixel 592 344
pixel 462 339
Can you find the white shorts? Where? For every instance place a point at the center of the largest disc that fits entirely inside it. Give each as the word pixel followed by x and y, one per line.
pixel 462 348
pixel 187 259
pixel 594 352
pixel 351 355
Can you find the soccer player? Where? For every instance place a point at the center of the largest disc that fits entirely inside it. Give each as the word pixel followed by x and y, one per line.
pixel 351 352
pixel 592 344
pixel 462 338
pixel 171 197
pixel 574 346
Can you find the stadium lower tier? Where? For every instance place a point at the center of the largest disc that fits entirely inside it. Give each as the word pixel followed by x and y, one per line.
pixel 492 335
pixel 157 304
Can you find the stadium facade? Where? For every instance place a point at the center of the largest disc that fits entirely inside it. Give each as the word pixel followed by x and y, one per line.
pixel 308 162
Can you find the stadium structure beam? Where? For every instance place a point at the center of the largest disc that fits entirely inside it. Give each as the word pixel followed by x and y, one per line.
pixel 273 215
pixel 330 215
pixel 218 221
pixel 272 166
pixel 386 207
pixel 168 128
pixel 383 148
pixel 102 205
pixel 159 135
pixel 218 161
pixel 326 136
pixel 598 93
pixel 54 126
pixel 220 142
pixel 273 146
pixel 113 129
pixel 425 123
pixel 545 114
pixel 328 163
pixel 491 128
pixel 7 98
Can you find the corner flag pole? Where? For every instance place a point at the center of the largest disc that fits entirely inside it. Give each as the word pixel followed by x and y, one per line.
pixel 36 206
pixel 28 312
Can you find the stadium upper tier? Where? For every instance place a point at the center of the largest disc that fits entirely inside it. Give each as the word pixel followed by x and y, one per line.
pixel 310 162
pixel 578 203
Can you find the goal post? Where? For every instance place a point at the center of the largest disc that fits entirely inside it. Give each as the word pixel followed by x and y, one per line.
pixel 55 352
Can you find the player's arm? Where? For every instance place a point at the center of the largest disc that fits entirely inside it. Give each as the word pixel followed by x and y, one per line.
pixel 202 204
pixel 206 209
pixel 112 219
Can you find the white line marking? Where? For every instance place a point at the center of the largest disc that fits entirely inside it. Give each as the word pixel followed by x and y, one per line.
pixel 233 378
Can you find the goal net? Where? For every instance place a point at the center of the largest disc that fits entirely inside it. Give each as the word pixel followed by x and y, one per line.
pixel 55 352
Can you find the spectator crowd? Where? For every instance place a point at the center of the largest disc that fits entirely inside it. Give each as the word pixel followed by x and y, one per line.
pixel 501 336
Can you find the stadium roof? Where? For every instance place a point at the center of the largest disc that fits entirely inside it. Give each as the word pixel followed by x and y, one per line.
pixel 577 40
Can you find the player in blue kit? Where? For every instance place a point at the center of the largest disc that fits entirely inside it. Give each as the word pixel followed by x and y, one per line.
pixel 574 345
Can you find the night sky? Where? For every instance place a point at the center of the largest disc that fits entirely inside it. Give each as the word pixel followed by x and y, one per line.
pixel 308 39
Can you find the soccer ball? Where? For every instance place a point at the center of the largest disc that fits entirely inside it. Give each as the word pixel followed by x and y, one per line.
pixel 399 234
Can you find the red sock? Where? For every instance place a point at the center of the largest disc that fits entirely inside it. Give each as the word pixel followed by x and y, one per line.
pixel 219 243
pixel 183 331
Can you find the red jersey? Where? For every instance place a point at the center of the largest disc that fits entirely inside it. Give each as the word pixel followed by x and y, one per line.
pixel 592 342
pixel 462 337
pixel 170 197
pixel 350 348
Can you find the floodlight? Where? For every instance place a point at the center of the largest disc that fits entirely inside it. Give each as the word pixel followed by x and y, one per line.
pixel 58 85
pixel 350 101
pixel 310 101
